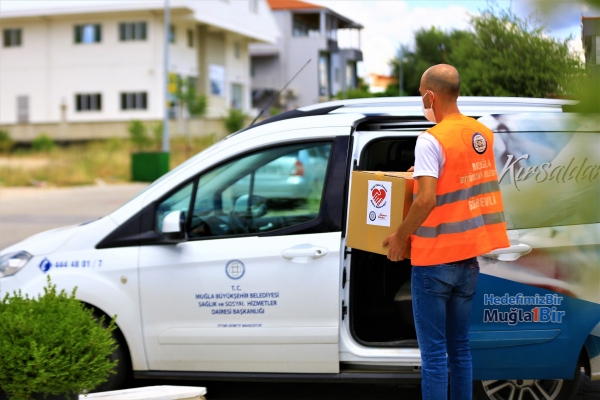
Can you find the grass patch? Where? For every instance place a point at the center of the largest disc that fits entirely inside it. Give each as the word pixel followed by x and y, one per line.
pixel 83 163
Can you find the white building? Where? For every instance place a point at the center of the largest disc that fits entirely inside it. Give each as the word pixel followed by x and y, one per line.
pixel 81 69
pixel 308 32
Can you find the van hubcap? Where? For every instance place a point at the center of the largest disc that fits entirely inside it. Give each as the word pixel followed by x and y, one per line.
pixel 523 389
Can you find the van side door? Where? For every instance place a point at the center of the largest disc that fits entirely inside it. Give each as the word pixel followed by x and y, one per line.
pixel 538 300
pixel 255 286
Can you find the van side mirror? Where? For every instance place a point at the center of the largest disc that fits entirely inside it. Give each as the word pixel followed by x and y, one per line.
pixel 173 226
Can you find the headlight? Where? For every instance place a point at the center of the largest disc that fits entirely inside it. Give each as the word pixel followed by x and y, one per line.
pixel 12 262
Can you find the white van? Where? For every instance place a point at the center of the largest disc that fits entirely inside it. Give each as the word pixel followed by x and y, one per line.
pixel 234 265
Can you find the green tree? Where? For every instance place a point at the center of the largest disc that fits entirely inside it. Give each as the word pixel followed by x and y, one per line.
pixel 503 55
pixel 186 95
pixel 138 134
pixel 509 56
pixel 432 46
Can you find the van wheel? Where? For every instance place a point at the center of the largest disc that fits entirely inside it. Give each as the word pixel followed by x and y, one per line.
pixel 122 371
pixel 532 389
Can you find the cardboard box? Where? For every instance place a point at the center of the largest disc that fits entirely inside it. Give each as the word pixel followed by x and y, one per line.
pixel 379 201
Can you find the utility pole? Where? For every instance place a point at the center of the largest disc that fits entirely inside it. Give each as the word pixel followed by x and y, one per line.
pixel 443 50
pixel 165 141
pixel 401 72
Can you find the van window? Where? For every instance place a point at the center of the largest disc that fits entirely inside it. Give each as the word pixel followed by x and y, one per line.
pixel 549 178
pixel 179 201
pixel 261 192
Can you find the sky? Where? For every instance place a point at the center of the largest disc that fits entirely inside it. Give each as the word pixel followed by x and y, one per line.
pixel 389 23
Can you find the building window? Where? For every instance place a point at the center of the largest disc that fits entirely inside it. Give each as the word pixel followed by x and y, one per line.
pixel 132 31
pixel 236 96
pixel 22 109
pixel 12 37
pixel 307 25
pixel 323 70
pixel 172 34
pixel 236 49
pixel 89 33
pixel 134 101
pixel 88 102
pixel 254 6
pixel 351 75
pixel 190 37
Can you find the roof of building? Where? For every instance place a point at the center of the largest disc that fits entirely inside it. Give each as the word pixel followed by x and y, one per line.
pixel 230 16
pixel 382 80
pixel 292 5
pixel 297 5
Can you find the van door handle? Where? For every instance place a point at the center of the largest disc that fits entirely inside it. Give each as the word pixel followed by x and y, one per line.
pixel 511 253
pixel 304 253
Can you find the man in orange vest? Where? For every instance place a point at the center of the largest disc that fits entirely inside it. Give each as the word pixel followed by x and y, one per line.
pixel 457 215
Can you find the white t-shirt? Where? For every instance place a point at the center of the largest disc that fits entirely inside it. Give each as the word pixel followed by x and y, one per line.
pixel 429 158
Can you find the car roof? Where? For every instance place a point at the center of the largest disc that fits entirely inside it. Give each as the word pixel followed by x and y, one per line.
pixel 406 106
pixel 411 107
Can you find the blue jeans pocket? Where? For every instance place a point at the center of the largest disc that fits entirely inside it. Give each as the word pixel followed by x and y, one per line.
pixel 438 279
pixel 470 277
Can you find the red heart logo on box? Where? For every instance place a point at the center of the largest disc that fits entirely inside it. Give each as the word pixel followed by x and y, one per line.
pixel 378 196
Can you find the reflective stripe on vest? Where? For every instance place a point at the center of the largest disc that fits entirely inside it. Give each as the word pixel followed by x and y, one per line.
pixel 460 226
pixel 468 219
pixel 465 194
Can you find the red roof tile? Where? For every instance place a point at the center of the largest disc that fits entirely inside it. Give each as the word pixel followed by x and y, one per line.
pixel 291 5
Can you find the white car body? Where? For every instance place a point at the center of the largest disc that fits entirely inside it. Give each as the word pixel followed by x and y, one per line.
pixel 165 293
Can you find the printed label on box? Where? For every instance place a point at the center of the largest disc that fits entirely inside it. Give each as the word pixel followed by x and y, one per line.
pixel 379 202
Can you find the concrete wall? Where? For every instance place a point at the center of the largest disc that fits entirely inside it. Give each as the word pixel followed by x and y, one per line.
pixel 25 133
pixel 267 73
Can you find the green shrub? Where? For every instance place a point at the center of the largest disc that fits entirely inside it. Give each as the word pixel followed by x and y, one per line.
pixel 234 120
pixel 197 105
pixel 52 344
pixel 138 134
pixel 6 143
pixel 42 142
pixel 355 94
pixel 157 134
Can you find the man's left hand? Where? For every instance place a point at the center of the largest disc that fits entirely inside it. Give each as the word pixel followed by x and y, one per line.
pixel 397 247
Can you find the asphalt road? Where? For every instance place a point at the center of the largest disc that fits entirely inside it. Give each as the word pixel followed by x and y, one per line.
pixel 27 211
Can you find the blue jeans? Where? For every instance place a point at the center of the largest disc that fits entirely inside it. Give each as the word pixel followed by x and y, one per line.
pixel 442 296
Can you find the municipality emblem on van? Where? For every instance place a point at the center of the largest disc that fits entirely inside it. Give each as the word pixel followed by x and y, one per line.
pixel 235 269
pixel 479 143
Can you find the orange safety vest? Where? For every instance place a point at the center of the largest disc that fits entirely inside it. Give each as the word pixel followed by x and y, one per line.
pixel 468 219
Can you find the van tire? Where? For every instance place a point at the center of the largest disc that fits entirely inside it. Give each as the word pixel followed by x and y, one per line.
pixel 557 389
pixel 119 379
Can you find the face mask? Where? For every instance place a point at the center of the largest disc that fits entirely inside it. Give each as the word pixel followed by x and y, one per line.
pixel 428 112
